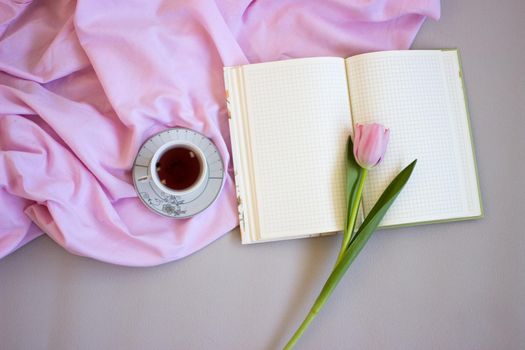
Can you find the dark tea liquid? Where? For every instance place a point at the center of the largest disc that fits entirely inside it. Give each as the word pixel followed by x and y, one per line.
pixel 178 168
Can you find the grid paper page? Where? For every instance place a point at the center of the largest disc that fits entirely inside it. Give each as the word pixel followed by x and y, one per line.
pixel 299 120
pixel 409 93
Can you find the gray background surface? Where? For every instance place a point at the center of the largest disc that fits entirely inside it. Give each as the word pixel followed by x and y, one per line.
pixel 448 286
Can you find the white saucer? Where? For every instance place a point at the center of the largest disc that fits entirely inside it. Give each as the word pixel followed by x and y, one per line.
pixel 186 205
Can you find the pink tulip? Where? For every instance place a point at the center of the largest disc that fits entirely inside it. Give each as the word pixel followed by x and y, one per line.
pixel 370 141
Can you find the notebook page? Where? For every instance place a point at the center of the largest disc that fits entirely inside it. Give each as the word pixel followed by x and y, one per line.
pixel 416 95
pixel 298 116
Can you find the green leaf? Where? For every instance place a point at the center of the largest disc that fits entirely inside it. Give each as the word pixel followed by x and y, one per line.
pixel 365 231
pixel 356 245
pixel 355 175
pixel 353 171
pixel 384 202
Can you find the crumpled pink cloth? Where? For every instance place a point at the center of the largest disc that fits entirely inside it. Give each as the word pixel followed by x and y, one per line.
pixel 83 84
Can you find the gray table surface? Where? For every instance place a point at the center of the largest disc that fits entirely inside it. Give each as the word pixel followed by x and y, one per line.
pixel 448 286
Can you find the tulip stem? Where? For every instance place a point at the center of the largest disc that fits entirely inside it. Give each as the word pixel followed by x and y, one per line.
pixel 316 307
pixel 349 229
pixel 299 332
pixel 348 233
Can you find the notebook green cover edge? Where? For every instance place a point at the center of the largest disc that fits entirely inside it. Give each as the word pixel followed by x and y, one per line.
pixel 428 222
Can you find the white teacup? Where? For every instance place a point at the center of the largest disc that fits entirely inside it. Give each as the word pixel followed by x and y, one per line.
pixel 196 186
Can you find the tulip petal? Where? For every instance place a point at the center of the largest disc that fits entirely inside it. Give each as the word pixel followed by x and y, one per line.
pixel 370 143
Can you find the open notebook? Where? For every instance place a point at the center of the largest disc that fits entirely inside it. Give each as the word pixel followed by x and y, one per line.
pixel 289 122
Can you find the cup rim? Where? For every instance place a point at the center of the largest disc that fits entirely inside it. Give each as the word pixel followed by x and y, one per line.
pixel 167 146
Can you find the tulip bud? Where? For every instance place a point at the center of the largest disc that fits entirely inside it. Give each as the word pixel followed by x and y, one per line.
pixel 370 141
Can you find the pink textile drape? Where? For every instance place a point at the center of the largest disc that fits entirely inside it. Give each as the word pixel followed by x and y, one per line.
pixel 83 84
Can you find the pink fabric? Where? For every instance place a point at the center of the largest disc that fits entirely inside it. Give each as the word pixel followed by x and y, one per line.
pixel 83 84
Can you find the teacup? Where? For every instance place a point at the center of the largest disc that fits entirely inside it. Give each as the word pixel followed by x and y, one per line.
pixel 178 168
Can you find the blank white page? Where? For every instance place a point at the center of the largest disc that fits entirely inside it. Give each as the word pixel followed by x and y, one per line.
pixel 419 96
pixel 298 116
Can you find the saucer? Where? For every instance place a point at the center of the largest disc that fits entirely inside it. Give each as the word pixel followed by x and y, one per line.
pixel 178 206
